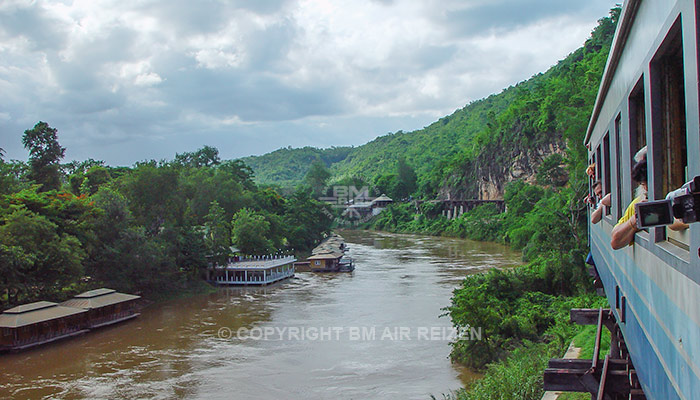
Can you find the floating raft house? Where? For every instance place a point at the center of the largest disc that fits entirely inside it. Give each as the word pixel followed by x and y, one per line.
pixel 105 306
pixel 38 323
pixel 261 270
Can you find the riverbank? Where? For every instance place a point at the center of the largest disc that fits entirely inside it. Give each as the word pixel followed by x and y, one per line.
pixel 523 325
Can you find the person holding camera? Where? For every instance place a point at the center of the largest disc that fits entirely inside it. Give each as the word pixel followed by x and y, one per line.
pixel 626 227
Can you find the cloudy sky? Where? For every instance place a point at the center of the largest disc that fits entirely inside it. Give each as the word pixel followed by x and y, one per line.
pixel 128 80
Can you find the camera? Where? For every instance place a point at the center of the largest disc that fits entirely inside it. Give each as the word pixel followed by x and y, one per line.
pixel 682 204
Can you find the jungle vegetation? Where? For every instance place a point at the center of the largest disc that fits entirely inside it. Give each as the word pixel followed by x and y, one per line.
pixel 152 228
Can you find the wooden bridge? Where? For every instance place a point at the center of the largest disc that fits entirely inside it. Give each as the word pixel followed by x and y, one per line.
pixel 455 208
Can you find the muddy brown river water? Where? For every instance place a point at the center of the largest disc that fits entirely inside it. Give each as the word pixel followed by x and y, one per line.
pixel 375 333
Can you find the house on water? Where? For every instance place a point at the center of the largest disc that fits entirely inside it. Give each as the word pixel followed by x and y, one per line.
pixel 260 270
pixel 105 306
pixel 329 256
pixel 38 323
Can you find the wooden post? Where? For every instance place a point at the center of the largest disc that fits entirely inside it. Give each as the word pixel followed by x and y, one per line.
pixel 596 349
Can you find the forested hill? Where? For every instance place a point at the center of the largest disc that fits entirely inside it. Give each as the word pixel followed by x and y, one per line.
pixel 477 149
pixel 287 167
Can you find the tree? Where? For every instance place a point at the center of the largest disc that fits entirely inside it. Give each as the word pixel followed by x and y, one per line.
pixel 306 219
pixel 387 184
pixel 153 197
pixel 125 258
pixel 240 171
pixel 407 179
pixel 94 178
pixel 45 153
pixel 249 232
pixel 552 171
pixel 207 156
pixel 37 258
pixel 317 176
pixel 217 234
pixel 10 176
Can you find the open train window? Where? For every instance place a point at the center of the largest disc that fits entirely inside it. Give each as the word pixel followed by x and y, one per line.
pixel 598 167
pixel 606 168
pixel 617 193
pixel 637 123
pixel 670 164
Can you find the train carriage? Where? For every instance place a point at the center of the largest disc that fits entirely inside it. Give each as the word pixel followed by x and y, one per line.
pixel 649 97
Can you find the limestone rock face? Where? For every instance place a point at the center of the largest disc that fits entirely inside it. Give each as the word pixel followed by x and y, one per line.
pixel 486 177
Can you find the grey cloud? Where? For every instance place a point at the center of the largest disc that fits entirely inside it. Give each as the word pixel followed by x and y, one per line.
pixel 506 15
pixel 88 102
pixel 252 97
pixel 206 16
pixel 32 23
pixel 267 49
pixel 423 57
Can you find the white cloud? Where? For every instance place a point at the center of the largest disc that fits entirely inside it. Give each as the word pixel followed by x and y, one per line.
pixel 118 72
pixel 139 73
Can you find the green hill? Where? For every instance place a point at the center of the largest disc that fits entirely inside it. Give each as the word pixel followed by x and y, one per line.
pixel 287 167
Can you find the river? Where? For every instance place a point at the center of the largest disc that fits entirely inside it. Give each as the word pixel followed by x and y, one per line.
pixel 375 333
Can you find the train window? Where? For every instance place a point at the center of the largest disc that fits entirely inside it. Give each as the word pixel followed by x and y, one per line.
pixel 598 164
pixel 606 168
pixel 637 115
pixel 617 194
pixel 637 123
pixel 669 133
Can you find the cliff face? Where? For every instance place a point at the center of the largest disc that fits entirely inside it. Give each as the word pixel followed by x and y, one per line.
pixel 486 177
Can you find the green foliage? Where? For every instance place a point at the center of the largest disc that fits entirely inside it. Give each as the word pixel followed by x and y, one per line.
pixel 551 172
pixel 484 223
pixel 45 153
pixel 44 240
pixel 10 176
pixel 239 171
pixel 151 229
pixel 406 180
pixel 316 177
pixel 585 340
pixel 306 219
pixel 207 156
pixel 95 177
pixel 249 231
pixel 217 233
pixel 152 192
pixel 510 307
pixel 518 377
pixel 287 167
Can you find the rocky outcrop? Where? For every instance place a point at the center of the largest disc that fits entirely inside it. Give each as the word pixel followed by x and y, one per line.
pixel 486 177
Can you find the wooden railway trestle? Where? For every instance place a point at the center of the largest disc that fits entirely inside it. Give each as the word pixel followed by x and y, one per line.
pixel 612 378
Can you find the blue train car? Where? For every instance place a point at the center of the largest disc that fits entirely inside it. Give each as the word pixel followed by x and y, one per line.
pixel 649 97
